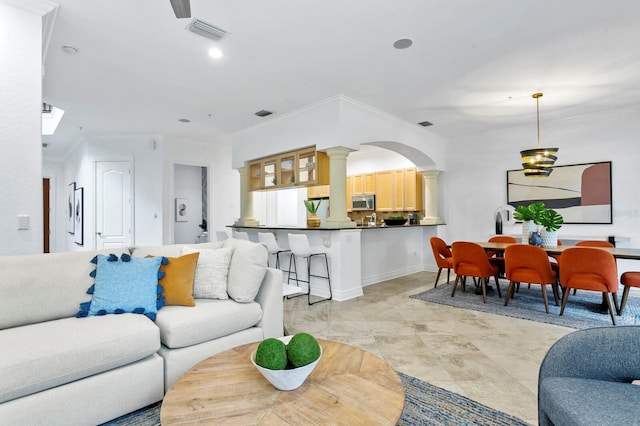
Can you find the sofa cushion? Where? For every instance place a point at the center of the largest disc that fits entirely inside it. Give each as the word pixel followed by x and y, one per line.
pixel 208 320
pixel 247 269
pixel 40 356
pixel 211 272
pixel 123 285
pixel 44 287
pixel 575 401
pixel 178 280
pixel 171 250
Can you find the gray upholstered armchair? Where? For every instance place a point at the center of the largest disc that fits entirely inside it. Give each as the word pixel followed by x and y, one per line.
pixel 585 378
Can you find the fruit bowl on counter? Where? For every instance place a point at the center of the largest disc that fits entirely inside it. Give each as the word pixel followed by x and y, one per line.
pixel 395 221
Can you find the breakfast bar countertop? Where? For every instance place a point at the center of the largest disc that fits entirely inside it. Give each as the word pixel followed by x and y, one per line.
pixel 330 229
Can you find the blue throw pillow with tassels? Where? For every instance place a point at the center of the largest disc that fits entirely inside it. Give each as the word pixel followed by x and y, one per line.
pixel 125 285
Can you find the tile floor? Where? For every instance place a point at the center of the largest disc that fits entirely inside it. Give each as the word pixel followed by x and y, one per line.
pixel 489 358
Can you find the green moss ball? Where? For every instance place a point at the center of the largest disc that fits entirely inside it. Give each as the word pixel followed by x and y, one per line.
pixel 303 349
pixel 272 354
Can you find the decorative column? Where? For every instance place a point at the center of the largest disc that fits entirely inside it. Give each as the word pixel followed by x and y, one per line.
pixel 430 183
pixel 338 217
pixel 246 201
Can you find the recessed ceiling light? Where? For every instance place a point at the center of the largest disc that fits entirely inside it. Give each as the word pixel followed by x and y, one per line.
pixel 403 43
pixel 425 124
pixel 71 50
pixel 263 113
pixel 216 53
pixel 184 120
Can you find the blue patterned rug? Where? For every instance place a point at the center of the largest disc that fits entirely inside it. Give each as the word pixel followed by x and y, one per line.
pixel 424 404
pixel 583 310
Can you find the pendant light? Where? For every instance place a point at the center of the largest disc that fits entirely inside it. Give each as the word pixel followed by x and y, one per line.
pixel 538 162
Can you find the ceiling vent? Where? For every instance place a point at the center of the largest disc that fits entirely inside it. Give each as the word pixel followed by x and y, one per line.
pixel 205 29
pixel 263 113
pixel 425 124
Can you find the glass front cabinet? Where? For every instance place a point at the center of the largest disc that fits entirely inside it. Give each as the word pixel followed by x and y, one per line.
pixel 304 167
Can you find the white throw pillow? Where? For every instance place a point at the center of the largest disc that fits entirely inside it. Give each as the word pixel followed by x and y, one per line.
pixel 247 269
pixel 211 272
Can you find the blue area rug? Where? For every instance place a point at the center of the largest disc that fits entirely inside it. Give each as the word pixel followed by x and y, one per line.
pixel 424 404
pixel 583 310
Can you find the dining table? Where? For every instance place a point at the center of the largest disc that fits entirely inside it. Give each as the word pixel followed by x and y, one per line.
pixel 618 253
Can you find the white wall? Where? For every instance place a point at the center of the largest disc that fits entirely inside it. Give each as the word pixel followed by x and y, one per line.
pixel 146 161
pixel 20 138
pixel 338 121
pixel 188 184
pixel 474 185
pixel 369 160
pixel 223 186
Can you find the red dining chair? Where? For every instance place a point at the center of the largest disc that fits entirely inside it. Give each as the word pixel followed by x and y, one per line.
pixel 593 243
pixel 592 269
pixel 470 260
pixel 443 257
pixel 529 264
pixel 628 280
pixel 496 257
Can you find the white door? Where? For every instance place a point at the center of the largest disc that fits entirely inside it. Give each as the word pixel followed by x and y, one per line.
pixel 113 204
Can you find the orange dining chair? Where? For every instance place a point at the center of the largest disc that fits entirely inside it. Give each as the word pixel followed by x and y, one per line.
pixel 496 257
pixel 592 243
pixel 529 264
pixel 628 280
pixel 592 269
pixel 470 260
pixel 443 257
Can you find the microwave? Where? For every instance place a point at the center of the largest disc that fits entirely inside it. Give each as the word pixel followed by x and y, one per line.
pixel 363 202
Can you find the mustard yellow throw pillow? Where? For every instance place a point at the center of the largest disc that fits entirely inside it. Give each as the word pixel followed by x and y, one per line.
pixel 178 280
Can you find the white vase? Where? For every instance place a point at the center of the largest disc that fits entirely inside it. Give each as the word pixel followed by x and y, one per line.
pixel 528 227
pixel 549 238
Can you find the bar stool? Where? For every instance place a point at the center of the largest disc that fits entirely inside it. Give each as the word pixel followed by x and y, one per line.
pixel 269 241
pixel 239 235
pixel 300 248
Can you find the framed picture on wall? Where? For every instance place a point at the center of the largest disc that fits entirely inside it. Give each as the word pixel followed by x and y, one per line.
pixel 71 204
pixel 182 209
pixel 79 216
pixel 581 193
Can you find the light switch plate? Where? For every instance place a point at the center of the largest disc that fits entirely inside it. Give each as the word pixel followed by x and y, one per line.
pixel 23 222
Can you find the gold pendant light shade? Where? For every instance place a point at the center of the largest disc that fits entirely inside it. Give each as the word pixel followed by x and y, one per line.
pixel 538 162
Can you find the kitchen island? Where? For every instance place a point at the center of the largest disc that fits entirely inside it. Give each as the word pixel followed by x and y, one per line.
pixel 358 256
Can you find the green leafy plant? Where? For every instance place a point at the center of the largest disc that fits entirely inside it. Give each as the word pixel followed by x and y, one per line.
pixel 550 219
pixel 530 212
pixel 396 217
pixel 311 207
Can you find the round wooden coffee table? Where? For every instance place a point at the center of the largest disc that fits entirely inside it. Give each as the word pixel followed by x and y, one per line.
pixel 349 386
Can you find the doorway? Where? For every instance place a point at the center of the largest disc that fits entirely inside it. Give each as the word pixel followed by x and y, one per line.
pixel 46 210
pixel 190 204
pixel 114 207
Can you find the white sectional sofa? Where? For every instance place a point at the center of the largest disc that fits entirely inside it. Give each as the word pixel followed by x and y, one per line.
pixel 57 369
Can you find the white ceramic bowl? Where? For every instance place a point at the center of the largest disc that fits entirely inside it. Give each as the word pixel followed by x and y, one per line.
pixel 286 379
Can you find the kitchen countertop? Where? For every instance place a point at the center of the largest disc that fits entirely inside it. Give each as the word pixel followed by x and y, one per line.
pixel 329 229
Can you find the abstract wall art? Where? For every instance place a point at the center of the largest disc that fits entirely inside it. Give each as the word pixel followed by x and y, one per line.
pixel 71 205
pixel 581 193
pixel 182 208
pixel 79 216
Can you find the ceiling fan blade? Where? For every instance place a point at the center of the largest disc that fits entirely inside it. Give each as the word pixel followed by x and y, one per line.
pixel 182 8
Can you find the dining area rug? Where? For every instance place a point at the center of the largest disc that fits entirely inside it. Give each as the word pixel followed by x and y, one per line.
pixel 425 404
pixel 583 310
